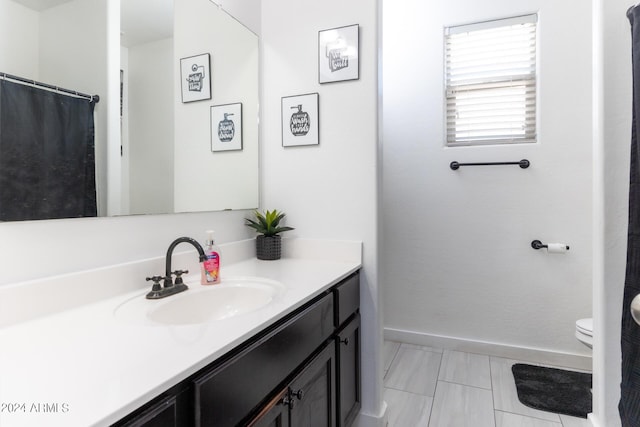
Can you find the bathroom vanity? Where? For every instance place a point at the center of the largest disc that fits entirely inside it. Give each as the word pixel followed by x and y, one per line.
pixel 294 359
pixel 306 366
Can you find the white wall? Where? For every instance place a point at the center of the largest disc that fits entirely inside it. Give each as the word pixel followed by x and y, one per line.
pixel 456 259
pixel 612 125
pixel 73 39
pixel 38 249
pixel 329 190
pixel 19 32
pixel 200 27
pixel 151 127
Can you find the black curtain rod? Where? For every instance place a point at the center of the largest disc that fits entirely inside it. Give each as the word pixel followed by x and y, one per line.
pixel 92 98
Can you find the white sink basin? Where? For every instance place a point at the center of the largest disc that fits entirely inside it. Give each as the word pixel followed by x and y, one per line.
pixel 202 304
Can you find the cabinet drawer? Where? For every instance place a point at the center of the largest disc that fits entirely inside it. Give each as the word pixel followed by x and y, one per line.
pixel 170 409
pixel 347 296
pixel 227 394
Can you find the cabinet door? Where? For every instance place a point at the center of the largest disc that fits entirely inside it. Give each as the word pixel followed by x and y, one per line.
pixel 348 365
pixel 313 392
pixel 275 414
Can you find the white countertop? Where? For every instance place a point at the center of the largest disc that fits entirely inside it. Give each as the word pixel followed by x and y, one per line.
pixel 83 367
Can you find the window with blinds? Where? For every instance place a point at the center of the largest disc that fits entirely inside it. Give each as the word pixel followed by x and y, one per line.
pixel 490 82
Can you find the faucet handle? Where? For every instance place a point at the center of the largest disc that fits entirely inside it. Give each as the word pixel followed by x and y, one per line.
pixel 156 282
pixel 179 274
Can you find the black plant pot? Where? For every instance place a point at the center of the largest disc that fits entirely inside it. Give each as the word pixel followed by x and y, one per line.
pixel 268 247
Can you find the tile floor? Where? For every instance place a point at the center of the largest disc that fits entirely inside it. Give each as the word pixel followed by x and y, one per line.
pixel 431 387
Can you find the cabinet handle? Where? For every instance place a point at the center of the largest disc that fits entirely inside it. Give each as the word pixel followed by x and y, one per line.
pixel 345 341
pixel 288 399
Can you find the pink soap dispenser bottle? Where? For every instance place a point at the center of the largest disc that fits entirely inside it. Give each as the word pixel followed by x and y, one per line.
pixel 211 267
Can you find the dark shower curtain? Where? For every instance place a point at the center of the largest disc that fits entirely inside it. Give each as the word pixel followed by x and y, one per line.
pixel 47 154
pixel 629 406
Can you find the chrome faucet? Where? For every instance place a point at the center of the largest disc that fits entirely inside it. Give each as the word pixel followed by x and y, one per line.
pixel 169 287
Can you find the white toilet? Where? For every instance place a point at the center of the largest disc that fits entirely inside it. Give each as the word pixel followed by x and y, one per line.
pixel 584 331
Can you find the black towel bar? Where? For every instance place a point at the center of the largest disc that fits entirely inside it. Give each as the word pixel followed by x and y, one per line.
pixel 524 163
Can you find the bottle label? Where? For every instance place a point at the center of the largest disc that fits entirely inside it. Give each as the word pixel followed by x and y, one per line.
pixel 212 267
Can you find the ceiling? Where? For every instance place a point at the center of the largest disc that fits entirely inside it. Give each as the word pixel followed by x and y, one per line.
pixel 141 21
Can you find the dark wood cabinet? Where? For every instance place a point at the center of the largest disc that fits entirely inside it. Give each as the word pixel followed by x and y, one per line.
pixel 162 414
pixel 313 395
pixel 348 371
pixel 346 299
pixel 308 400
pixel 347 323
pixel 275 413
pixel 171 409
pixel 227 393
pixel 303 371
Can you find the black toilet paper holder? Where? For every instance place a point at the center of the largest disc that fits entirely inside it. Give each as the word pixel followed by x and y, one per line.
pixel 537 244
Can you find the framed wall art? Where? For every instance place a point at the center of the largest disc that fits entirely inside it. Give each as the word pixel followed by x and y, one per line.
pixel 338 54
pixel 226 127
pixel 195 76
pixel 300 120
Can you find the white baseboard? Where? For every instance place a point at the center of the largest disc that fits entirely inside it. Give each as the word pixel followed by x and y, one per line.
pixel 594 422
pixel 534 355
pixel 373 420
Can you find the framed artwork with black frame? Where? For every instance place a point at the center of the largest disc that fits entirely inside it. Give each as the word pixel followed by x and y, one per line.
pixel 300 120
pixel 338 54
pixel 195 77
pixel 226 127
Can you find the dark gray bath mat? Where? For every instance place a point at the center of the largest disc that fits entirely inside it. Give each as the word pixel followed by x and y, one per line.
pixel 553 390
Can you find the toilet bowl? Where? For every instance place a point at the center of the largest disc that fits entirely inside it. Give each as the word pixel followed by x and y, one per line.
pixel 584 331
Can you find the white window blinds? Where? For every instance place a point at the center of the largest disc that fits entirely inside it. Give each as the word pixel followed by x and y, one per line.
pixel 490 82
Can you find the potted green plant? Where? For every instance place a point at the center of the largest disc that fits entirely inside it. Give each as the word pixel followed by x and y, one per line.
pixel 268 243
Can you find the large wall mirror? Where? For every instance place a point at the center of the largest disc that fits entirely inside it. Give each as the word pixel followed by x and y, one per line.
pixel 169 162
